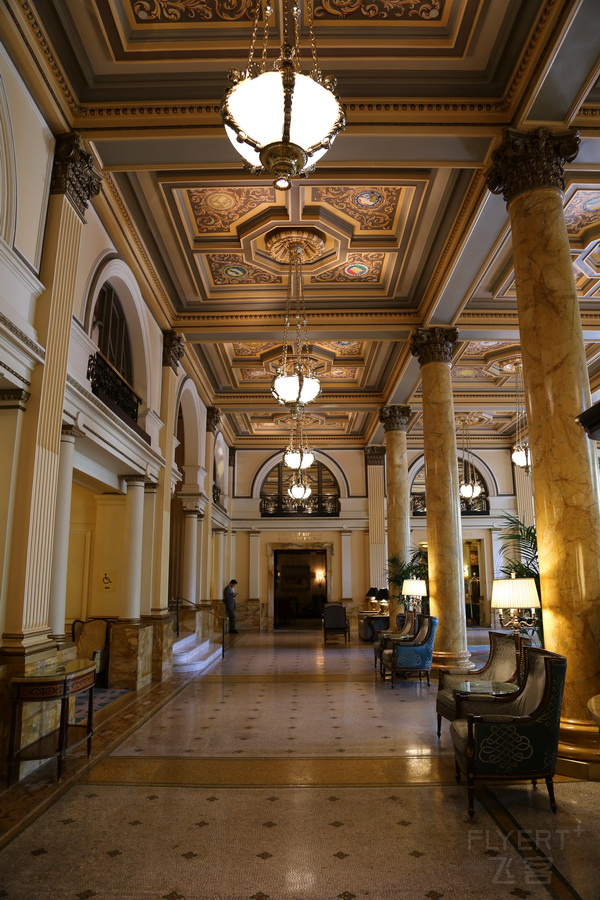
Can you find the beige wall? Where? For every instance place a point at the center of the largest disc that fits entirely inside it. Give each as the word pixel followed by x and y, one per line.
pixel 81 544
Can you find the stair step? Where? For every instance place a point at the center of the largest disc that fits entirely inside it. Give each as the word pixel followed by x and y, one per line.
pixel 193 655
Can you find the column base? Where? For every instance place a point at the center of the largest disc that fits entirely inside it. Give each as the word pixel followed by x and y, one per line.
pixel 162 645
pixel 452 659
pixel 130 662
pixel 579 749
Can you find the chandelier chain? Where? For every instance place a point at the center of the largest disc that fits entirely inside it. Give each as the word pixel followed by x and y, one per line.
pixel 316 72
pixel 265 46
pixel 253 39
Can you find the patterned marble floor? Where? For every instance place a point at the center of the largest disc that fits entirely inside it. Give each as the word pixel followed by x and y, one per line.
pixel 291 772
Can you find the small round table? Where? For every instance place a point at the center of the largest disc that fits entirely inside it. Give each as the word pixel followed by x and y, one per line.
pixel 493 688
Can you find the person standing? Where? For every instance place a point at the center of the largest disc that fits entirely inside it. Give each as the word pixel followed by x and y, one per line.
pixel 229 596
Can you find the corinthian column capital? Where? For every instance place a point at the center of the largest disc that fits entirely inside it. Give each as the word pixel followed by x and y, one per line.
pixel 434 344
pixel 73 173
pixel 394 418
pixel 172 349
pixel 213 417
pixel 531 159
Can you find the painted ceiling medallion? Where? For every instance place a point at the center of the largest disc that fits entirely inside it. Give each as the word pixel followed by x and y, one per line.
pixel 374 208
pixel 364 268
pixel 229 268
pixel 215 209
pixel 252 348
pixel 582 211
pixel 343 348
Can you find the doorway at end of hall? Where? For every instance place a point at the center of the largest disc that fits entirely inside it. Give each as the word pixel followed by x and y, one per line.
pixel 300 589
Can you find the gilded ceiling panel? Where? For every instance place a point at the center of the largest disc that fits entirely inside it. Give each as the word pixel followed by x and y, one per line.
pixel 481 348
pixel 425 10
pixel 343 348
pixel 231 268
pixel 359 267
pixel 165 12
pixel 252 348
pixel 373 208
pixel 582 211
pixel 218 210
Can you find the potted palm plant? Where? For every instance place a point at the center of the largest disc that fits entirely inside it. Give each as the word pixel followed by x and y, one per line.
pixel 521 539
pixel 399 569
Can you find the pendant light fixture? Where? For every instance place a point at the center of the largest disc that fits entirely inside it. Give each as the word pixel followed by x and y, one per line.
pixel 280 120
pixel 299 489
pixel 296 382
pixel 521 455
pixel 470 487
pixel 297 455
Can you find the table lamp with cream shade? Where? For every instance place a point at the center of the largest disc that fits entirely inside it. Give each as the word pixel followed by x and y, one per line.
pixel 515 594
pixel 414 589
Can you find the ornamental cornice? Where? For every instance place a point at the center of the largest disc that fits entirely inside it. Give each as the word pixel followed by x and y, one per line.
pixel 394 418
pixel 531 159
pixel 375 456
pixel 173 349
pixel 11 396
pixel 73 172
pixel 36 349
pixel 434 344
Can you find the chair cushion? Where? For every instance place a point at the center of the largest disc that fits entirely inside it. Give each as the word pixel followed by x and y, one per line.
pixel 92 637
pixel 445 704
pixel 458 732
pixel 386 658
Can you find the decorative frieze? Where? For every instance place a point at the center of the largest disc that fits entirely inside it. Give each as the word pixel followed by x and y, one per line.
pixel 394 418
pixel 213 417
pixel 73 173
pixel 434 344
pixel 375 456
pixel 531 159
pixel 172 349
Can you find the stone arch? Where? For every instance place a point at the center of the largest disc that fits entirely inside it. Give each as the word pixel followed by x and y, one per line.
pixel 8 172
pixel 481 467
pixel 327 460
pixel 194 425
pixel 118 274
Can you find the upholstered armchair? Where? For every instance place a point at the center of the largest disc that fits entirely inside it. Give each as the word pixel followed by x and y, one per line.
pixel 93 639
pixel 515 736
pixel 411 656
pixel 407 626
pixel 503 664
pixel 335 621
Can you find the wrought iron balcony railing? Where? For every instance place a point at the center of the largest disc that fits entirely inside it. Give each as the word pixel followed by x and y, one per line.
pixel 110 387
pixel 280 505
pixel 478 507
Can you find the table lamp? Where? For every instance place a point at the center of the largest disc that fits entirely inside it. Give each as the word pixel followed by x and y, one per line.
pixel 515 594
pixel 371 596
pixel 415 589
pixel 383 598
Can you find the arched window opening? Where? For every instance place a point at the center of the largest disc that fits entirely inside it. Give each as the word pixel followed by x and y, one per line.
pixel 480 506
pixel 324 499
pixel 110 370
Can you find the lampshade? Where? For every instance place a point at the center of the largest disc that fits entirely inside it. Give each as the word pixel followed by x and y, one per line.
pixel 301 387
pixel 514 593
pixel 383 594
pixel 414 587
pixel 521 456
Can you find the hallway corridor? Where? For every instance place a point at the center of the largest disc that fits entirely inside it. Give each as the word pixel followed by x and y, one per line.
pixel 289 771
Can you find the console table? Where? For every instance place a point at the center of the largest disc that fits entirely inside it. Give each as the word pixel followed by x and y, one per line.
pixel 57 682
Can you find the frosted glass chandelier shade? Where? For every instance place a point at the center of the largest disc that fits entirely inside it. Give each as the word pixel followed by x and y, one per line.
pixel 521 456
pixel 299 490
pixel 301 387
pixel 298 458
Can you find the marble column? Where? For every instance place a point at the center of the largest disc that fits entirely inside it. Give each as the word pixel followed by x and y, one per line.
pixel 62 523
pixel 434 347
pixel 527 169
pixel 219 579
pixel 213 417
pixel 190 552
pixel 346 567
pixel 73 183
pixel 148 573
pixel 132 549
pixel 395 423
pixel 375 460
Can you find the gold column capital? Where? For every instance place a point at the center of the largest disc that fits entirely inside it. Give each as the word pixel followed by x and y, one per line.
pixel 375 455
pixel 531 159
pixel 73 172
pixel 433 344
pixel 172 349
pixel 394 418
pixel 213 417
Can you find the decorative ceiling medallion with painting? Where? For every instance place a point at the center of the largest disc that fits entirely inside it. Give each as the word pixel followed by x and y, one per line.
pixel 480 348
pixel 253 348
pixel 231 268
pixel 373 208
pixel 469 372
pixel 255 375
pixel 425 10
pixel 188 11
pixel 215 209
pixel 343 348
pixel 365 267
pixel 582 211
pixel 338 373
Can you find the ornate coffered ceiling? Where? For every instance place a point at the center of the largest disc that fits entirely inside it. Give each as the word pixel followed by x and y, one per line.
pixel 411 235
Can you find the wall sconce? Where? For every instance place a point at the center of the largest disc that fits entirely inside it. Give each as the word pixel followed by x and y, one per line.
pixel 320 577
pixel 515 594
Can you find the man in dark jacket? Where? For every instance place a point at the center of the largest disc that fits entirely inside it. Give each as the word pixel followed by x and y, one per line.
pixel 229 596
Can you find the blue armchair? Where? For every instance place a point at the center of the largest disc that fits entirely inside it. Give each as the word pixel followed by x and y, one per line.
pixel 515 737
pixel 411 656
pixel 407 625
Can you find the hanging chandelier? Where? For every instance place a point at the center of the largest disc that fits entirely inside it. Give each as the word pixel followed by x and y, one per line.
pixel 470 487
pixel 297 455
pixel 296 382
pixel 279 120
pixel 521 455
pixel 299 489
